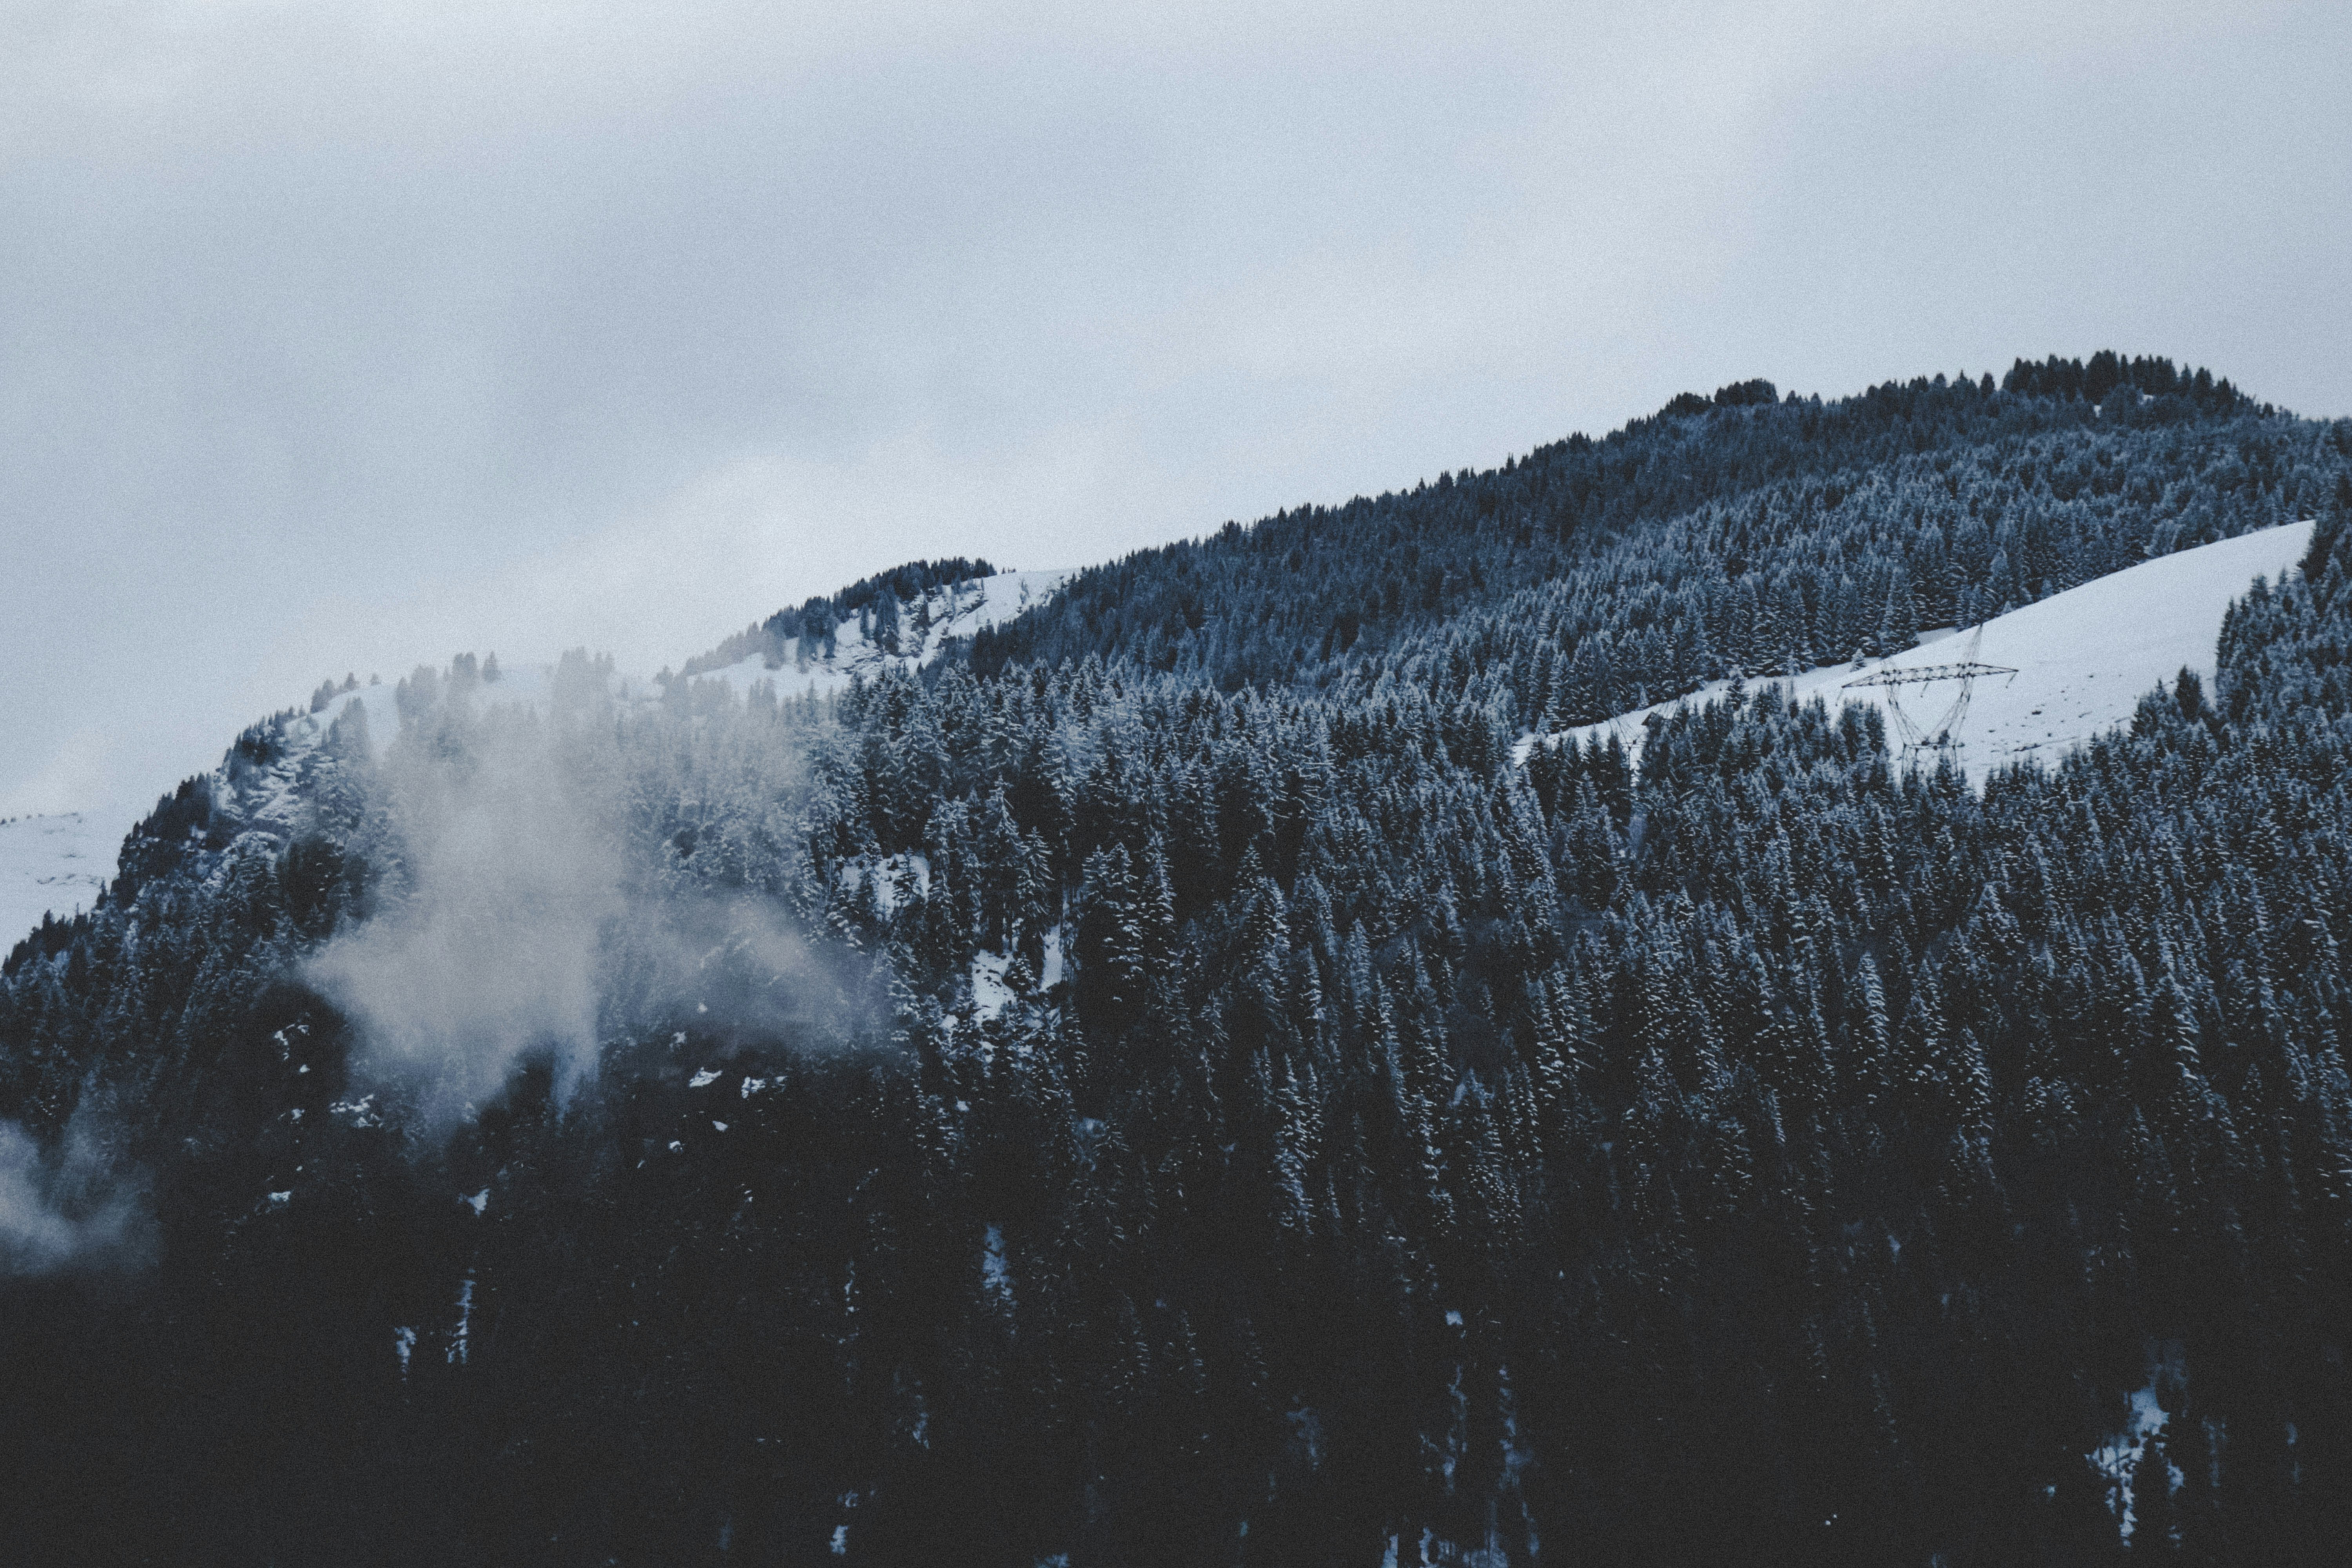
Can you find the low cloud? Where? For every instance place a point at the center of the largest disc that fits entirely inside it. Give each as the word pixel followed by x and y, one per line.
pixel 62 1209
pixel 505 876
pixel 550 885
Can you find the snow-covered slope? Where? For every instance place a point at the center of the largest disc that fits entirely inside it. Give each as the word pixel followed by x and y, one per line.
pixel 956 611
pixel 524 684
pixel 52 864
pixel 55 864
pixel 2084 658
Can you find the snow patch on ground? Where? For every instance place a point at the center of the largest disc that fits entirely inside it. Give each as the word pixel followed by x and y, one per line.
pixel 994 1271
pixel 2084 658
pixel 2118 1458
pixel 989 992
pixel 360 1112
pixel 461 1342
pixel 892 878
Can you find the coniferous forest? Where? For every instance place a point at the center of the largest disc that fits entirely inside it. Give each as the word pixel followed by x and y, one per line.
pixel 1178 1079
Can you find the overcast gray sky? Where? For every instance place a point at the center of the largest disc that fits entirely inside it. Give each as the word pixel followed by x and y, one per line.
pixel 340 337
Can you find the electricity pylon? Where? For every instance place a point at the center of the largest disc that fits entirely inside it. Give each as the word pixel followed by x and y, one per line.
pixel 1938 735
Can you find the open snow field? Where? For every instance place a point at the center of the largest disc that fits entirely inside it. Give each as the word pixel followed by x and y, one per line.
pixel 2084 658
pixel 56 862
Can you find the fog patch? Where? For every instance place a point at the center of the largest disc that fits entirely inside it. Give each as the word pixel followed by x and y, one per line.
pixel 735 972
pixel 60 1209
pixel 561 880
pixel 505 872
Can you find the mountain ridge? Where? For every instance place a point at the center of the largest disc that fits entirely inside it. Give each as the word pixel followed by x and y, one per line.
pixel 1191 1097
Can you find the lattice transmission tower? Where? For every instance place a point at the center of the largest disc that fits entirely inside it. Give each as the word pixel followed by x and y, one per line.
pixel 1937 736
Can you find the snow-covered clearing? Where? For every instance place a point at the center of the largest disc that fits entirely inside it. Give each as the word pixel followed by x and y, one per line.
pixel 2084 658
pixel 990 993
pixel 892 878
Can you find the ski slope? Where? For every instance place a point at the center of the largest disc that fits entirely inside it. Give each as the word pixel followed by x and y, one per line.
pixel 2083 658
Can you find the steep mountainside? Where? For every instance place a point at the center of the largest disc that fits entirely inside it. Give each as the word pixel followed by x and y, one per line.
pixel 1181 1077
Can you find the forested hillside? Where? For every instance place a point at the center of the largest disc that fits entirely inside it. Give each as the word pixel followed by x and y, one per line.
pixel 1163 1084
pixel 1738 531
